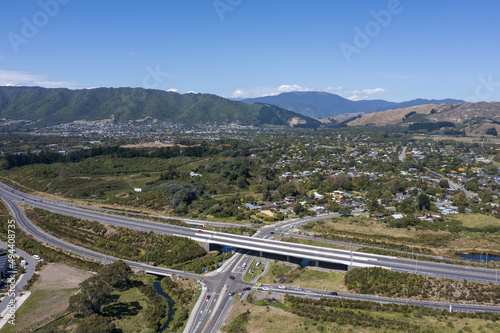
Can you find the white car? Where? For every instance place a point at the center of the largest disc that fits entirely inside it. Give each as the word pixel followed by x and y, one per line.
pixel 265 288
pixel 282 287
pixel 36 257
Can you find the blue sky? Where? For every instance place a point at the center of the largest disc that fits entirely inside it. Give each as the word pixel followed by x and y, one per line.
pixel 392 50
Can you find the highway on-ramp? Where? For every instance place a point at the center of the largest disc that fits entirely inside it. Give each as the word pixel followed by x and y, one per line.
pixel 208 316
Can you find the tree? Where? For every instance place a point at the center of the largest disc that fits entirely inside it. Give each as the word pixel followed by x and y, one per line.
pixel 472 185
pixel 96 324
pixel 298 208
pixel 93 295
pixel 460 199
pixel 492 131
pixel 344 210
pixel 117 275
pixel 443 183
pixel 423 202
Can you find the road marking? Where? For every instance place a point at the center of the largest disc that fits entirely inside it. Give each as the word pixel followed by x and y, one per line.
pixel 205 325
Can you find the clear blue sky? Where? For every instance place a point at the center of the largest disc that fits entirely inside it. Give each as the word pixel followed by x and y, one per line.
pixel 248 48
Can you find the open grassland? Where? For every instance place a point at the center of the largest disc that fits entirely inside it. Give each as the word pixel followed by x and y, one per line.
pixel 275 270
pixel 318 279
pixel 476 220
pixel 128 310
pixel 293 276
pixel 50 296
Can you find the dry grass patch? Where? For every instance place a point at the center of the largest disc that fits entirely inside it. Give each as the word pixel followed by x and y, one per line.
pixel 50 297
pixel 476 220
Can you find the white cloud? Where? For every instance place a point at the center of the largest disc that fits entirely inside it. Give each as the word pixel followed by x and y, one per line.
pixel 355 98
pixel 238 93
pixel 17 78
pixel 289 88
pixel 173 90
pixel 269 91
pixel 375 91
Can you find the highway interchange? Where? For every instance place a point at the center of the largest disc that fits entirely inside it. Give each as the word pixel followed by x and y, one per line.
pixel 208 315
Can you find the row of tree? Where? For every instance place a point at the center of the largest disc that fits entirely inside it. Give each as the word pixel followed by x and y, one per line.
pixel 48 157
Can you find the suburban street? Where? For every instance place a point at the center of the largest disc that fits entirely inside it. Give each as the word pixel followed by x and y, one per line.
pixel 30 269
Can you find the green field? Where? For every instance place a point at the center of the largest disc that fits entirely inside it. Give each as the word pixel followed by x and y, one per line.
pixel 35 307
pixel 476 220
pixel 306 278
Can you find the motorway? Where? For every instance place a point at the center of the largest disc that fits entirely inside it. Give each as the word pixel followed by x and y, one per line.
pixel 27 226
pixel 209 314
pixel 315 293
pixel 284 249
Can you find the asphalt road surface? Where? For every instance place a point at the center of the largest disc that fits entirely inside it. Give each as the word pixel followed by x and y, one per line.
pixel 29 270
pixel 210 314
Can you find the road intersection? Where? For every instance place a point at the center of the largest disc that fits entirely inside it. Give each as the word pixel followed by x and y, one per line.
pixel 209 313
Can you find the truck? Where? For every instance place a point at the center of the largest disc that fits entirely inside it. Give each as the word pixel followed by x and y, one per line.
pixel 23 262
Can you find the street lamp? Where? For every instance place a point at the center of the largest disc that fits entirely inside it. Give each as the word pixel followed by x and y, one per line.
pixel 496 274
pixel 416 263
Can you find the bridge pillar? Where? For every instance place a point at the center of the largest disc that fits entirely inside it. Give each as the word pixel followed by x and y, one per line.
pixel 260 253
pixel 204 245
pixel 288 258
pixel 317 263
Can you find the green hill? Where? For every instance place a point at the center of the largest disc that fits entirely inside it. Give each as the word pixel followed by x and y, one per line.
pixel 48 106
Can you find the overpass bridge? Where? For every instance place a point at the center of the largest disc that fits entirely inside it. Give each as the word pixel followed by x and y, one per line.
pixel 265 247
pixel 292 252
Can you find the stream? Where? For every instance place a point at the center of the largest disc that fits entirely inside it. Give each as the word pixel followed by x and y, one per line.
pixel 170 301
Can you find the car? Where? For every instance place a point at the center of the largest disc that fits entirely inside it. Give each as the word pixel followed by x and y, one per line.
pixel 232 277
pixel 231 293
pixel 258 284
pixel 272 232
pixel 200 230
pixel 36 257
pixel 265 288
pixel 208 296
pixel 298 288
pixel 282 287
pixel 334 293
pixel 247 288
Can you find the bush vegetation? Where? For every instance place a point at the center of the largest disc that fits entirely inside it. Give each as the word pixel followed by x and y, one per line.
pixel 383 282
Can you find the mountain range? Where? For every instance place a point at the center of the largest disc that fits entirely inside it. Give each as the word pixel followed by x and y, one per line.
pixel 317 104
pixel 475 118
pixel 41 107
pixel 51 106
